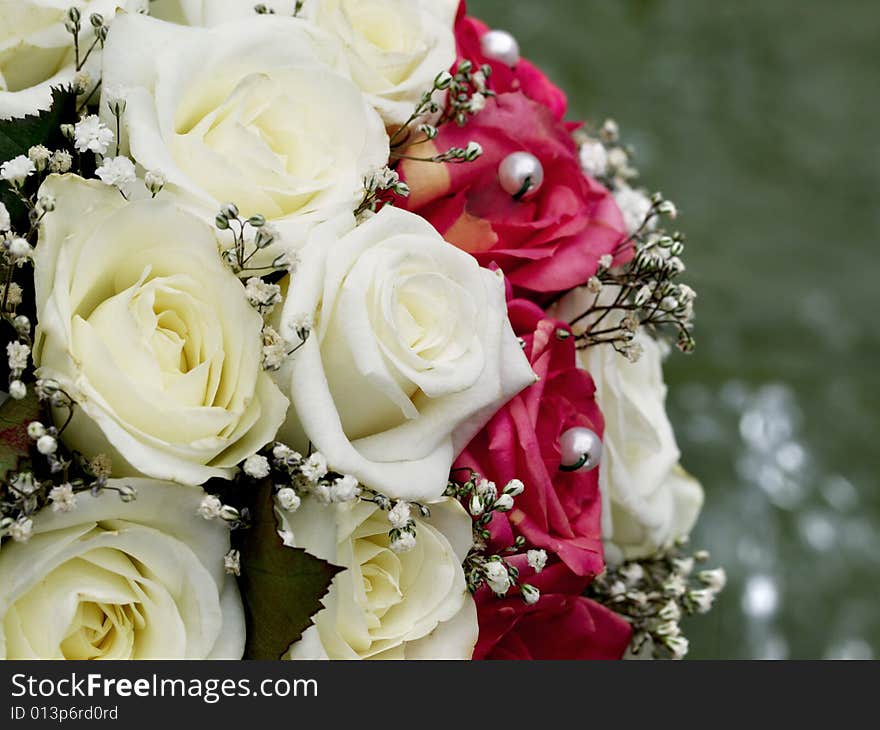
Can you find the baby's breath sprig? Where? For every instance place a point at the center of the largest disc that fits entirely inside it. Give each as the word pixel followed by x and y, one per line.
pixel 654 594
pixel 297 477
pixel 56 477
pixel 645 291
pixel 466 91
pixel 252 233
pixel 481 499
pixel 378 189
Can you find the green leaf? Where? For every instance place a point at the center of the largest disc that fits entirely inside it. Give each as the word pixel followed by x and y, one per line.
pixel 15 444
pixel 17 136
pixel 281 587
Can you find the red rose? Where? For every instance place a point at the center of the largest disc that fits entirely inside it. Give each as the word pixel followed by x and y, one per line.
pixel 525 76
pixel 558 511
pixel 561 625
pixel 546 243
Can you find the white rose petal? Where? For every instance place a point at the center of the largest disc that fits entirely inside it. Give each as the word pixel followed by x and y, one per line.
pixel 260 112
pixel 111 580
pixel 142 323
pixel 411 353
pixel 36 52
pixel 388 605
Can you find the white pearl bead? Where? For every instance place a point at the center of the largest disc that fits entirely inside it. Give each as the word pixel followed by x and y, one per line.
pixel 521 174
pixel 581 449
pixel 499 45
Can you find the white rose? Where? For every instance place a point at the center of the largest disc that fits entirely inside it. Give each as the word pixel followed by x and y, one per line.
pixel 151 334
pixel 410 355
pixel 260 113
pixel 648 500
pixel 108 580
pixel 387 605
pixel 36 51
pixel 396 48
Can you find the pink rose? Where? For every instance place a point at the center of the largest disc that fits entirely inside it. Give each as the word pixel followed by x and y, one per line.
pixel 558 511
pixel 561 625
pixel 546 243
pixel 525 76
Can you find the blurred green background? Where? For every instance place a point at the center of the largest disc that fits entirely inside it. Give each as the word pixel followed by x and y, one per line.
pixel 759 118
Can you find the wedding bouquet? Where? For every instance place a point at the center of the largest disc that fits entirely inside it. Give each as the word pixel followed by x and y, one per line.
pixel 328 336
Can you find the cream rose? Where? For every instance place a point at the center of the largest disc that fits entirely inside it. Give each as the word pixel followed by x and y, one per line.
pixel 410 355
pixel 260 113
pixel 108 580
pixel 648 500
pixel 151 334
pixel 387 605
pixel 36 51
pixel 395 48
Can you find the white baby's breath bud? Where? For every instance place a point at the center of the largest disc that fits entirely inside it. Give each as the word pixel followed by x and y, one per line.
pixel 443 80
pixel 17 390
pixel 24 483
pixel 671 611
pixel 678 645
pixel 229 514
pixel 403 542
pixel 643 295
pixel 17 170
pixel 39 155
pixel 47 445
pixel 473 151
pixel 35 430
pixel 504 503
pixel 19 249
pixel 115 101
pixel 498 577
pixel 594 285
pixel 703 599
pixel 675 585
pixel 288 499
pixel 475 506
pixel 537 559
pixel 594 158
pixel 314 467
pixel 632 351
pixel 399 516
pixel 262 296
pixel 18 354
pixel 322 493
pixel 63 498
pixel 684 566
pixel 22 529
pixel 274 349
pixel 487 490
pixel 232 563
pixel 90 134
pixel 667 207
pixel 617 588
pixel 210 507
pixel 477 103
pixel 127 493
pixel 514 488
pixel 60 162
pixel 632 573
pixel 154 181
pixel 610 131
pixel 617 159
pixel 283 453
pixel 606 260
pixel 256 466
pixel 13 296
pixel 668 629
pixel 46 204
pixel 530 594
pixel 345 489
pixel 5 220
pixel 118 172
pixel 714 579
